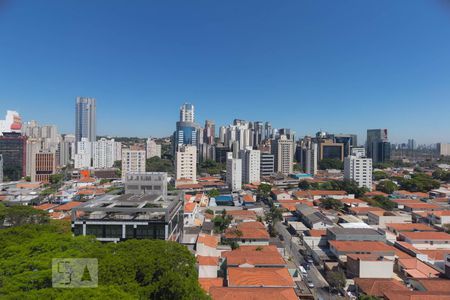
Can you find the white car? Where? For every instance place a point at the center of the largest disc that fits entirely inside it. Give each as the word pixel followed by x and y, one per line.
pixel 310 284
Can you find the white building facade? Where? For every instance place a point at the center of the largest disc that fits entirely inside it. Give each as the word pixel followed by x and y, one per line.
pixel 251 165
pixel 186 162
pixel 133 161
pixel 359 169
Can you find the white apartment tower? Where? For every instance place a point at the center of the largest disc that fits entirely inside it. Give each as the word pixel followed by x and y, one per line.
pixel 133 161
pixel 283 151
pixel 359 169
pixel 186 162
pixel 104 153
pixel 84 154
pixel 251 165
pixel 153 149
pixel 234 172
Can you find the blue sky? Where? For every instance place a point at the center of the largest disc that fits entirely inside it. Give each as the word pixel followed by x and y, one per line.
pixel 341 66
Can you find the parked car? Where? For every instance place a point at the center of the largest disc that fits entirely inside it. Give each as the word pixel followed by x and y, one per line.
pixel 310 284
pixel 309 259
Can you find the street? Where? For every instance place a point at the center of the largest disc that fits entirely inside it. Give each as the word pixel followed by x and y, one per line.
pixel 292 248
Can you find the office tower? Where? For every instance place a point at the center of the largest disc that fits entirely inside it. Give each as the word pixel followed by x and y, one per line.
pixel 104 153
pixel 186 129
pixel 443 149
pixel 222 134
pixel 133 161
pixel 283 151
pixel 307 155
pixel 34 146
pixel 186 162
pixel 66 149
pixel 1 168
pixel 234 172
pixel 359 169
pixel 85 119
pixel 187 113
pixel 330 150
pixel 378 148
pixel 289 133
pixel 267 164
pixel 411 144
pixel 13 149
pixel 258 129
pixel 44 166
pixel 11 123
pixel 348 141
pixel 199 134
pixel 251 165
pixel 267 131
pixel 209 133
pixel 221 154
pixel 153 149
pixel 83 154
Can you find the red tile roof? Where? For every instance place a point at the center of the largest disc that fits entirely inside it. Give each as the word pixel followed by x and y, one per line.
pixel 361 246
pixel 317 232
pixel 189 207
pixel 68 206
pixel 417 235
pixel 364 210
pixel 208 283
pixel 416 295
pixel 409 227
pixel 376 287
pixel 248 230
pixel 375 193
pixel 259 277
pixel 208 240
pixel 435 285
pixel 254 255
pixel 227 293
pixel 46 206
pixel 207 260
pixel 424 206
pixel 417 269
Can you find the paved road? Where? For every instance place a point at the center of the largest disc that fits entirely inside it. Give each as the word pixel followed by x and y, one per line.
pixel 292 247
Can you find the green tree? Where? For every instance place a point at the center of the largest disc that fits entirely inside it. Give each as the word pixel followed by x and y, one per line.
pixel 56 178
pixel 331 163
pixel 221 222
pixel 271 217
pixel 378 175
pixel 387 186
pixel 383 202
pixel 304 185
pixel 211 167
pixel 27 178
pixel 336 279
pixel 156 164
pixel 331 203
pixel 264 190
pixel 213 193
pixel 419 182
pixel 18 215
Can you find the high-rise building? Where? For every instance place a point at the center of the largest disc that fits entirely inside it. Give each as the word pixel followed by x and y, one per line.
pixel 153 149
pixel 267 164
pixel 1 168
pixel 377 145
pixel 209 133
pixel 307 155
pixel 13 149
pixel 359 169
pixel 267 130
pixel 251 165
pixel 234 172
pixel 283 151
pixel 207 152
pixel 83 157
pixel 187 113
pixel 348 141
pixel 133 161
pixel 85 119
pixel 330 150
pixel 34 146
pixel 66 149
pixel 104 153
pixel 222 134
pixel 11 123
pixel 44 166
pixel 443 149
pixel 186 129
pixel 186 163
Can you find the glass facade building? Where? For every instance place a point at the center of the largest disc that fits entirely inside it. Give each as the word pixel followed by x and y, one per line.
pixel 13 150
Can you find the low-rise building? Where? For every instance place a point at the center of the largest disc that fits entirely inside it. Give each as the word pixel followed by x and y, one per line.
pixel 259 277
pixel 381 218
pixel 248 233
pixel 369 266
pixel 354 234
pixel 426 240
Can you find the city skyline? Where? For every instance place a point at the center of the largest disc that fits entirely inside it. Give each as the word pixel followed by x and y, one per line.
pixel 313 75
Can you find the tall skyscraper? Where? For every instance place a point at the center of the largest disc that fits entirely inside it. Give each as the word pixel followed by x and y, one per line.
pixel 85 119
pixel 251 165
pixel 283 151
pixel 308 155
pixel 186 129
pixel 378 147
pixel 13 149
pixel 209 133
pixel 187 113
pixel 104 153
pixel 186 162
